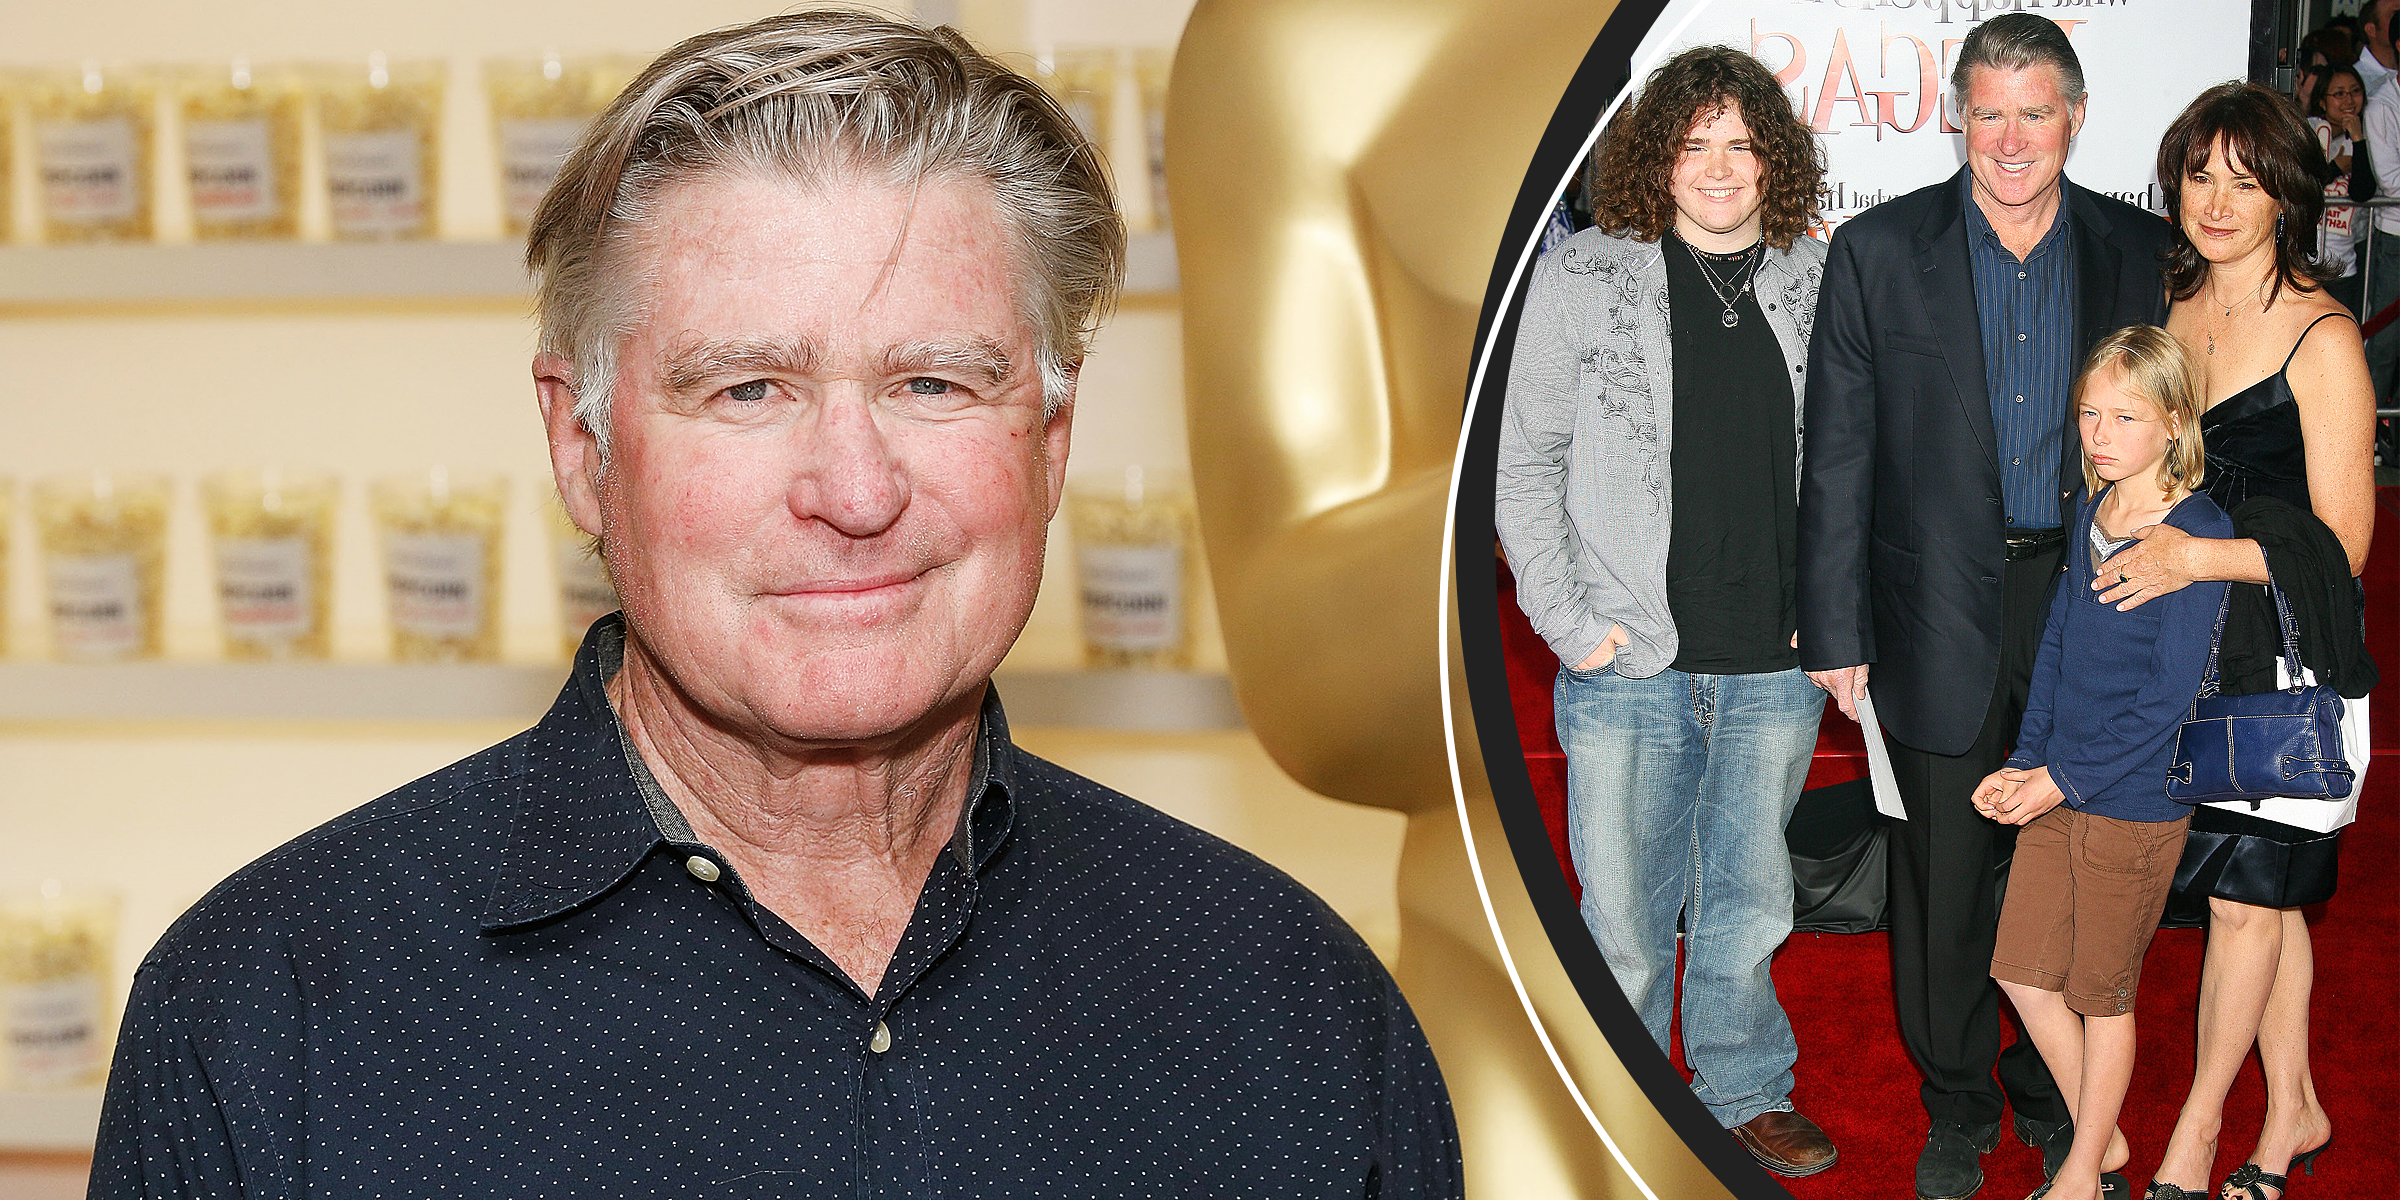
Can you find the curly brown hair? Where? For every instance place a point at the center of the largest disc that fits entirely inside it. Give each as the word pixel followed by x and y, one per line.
pixel 1637 154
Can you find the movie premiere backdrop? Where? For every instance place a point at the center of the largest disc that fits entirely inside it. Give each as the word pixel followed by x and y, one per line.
pixel 1871 77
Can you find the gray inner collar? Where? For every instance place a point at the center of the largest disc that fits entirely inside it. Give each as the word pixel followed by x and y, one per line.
pixel 663 812
pixel 670 821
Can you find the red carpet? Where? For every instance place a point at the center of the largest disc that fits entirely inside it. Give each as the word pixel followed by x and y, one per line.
pixel 1856 1080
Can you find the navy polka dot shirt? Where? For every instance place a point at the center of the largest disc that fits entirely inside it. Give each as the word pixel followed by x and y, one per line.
pixel 503 980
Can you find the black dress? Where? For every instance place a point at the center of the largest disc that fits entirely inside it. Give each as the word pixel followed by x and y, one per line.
pixel 2252 440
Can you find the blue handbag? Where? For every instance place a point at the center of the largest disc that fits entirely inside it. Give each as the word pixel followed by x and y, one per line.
pixel 2280 743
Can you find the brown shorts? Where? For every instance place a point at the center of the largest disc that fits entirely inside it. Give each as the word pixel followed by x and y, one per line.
pixel 2084 895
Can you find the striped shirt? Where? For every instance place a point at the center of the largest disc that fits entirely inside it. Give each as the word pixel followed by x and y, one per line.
pixel 2027 313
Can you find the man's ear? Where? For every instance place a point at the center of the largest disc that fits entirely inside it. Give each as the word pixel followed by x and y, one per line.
pixel 574 452
pixel 1056 430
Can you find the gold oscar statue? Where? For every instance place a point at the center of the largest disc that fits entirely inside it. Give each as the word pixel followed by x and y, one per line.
pixel 1341 171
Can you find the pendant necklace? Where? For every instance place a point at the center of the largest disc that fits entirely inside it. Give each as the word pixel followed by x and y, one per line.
pixel 1730 290
pixel 2228 317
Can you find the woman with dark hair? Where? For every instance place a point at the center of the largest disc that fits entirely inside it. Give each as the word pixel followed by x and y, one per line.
pixel 1648 489
pixel 2288 431
pixel 2334 115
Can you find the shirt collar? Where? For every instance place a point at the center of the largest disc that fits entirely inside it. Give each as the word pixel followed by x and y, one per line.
pixel 591 810
pixel 1980 226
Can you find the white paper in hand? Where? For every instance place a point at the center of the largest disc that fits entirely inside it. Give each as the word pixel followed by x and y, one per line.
pixel 1879 762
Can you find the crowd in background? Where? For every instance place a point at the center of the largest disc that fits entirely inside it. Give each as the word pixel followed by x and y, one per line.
pixel 2339 78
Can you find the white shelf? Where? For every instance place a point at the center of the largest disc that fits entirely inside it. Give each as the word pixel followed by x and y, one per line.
pixel 42 692
pixel 49 1122
pixel 177 691
pixel 1131 701
pixel 260 272
pixel 39 277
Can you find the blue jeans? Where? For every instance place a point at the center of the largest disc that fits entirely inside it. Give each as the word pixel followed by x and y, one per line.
pixel 1678 788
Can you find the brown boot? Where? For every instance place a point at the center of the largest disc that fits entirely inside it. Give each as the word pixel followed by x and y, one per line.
pixel 1786 1143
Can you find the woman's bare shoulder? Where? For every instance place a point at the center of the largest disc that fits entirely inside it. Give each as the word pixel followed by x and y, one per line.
pixel 2319 325
pixel 2329 362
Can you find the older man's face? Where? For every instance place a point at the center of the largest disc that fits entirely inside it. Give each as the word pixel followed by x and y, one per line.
pixel 2019 125
pixel 826 499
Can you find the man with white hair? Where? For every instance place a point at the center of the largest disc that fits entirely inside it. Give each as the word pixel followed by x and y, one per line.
pixel 768 903
pixel 1938 474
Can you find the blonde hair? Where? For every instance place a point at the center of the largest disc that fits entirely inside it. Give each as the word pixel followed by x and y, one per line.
pixel 817 98
pixel 2158 369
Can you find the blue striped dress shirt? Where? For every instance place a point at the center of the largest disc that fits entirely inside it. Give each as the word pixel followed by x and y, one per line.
pixel 2027 313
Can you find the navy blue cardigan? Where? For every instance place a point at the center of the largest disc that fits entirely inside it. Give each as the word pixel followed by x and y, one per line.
pixel 2110 688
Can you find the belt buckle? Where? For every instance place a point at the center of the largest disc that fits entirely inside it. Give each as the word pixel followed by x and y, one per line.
pixel 2025 545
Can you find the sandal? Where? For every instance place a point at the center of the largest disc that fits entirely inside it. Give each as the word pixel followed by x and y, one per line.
pixel 2168 1191
pixel 2247 1181
pixel 2308 1161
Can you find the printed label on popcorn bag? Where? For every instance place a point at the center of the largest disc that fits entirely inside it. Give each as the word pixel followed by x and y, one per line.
pixel 266 588
pixel 89 176
pixel 436 582
pixel 376 182
pixel 51 1032
pixel 95 605
pixel 1132 596
pixel 232 169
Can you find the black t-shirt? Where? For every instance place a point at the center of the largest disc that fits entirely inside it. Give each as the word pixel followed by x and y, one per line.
pixel 1733 544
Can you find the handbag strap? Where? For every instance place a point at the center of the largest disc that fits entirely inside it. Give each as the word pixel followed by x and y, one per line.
pixel 2291 630
pixel 2216 642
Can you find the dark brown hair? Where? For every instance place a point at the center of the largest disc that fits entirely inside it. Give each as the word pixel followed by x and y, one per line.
pixel 2261 130
pixel 1638 152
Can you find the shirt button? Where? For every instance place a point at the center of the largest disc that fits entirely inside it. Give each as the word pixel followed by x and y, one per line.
pixel 2020 337
pixel 2020 274
pixel 2016 462
pixel 882 1038
pixel 702 869
pixel 2020 399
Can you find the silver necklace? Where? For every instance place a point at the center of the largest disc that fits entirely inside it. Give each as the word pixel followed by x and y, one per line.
pixel 1729 291
pixel 2228 309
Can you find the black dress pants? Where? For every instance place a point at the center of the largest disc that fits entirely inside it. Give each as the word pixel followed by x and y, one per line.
pixel 1944 903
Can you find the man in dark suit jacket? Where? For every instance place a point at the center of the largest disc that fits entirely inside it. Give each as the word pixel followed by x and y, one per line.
pixel 1938 474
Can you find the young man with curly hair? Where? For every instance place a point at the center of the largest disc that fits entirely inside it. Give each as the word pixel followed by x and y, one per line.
pixel 1648 482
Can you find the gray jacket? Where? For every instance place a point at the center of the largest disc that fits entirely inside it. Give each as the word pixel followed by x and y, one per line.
pixel 1584 501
